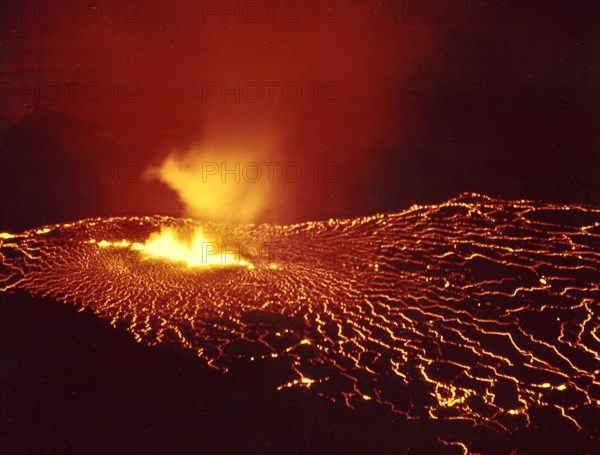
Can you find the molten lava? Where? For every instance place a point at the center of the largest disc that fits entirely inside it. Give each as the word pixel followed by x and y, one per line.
pixel 196 250
pixel 478 313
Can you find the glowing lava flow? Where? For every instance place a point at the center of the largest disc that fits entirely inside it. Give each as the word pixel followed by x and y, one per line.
pixel 195 251
pixel 477 312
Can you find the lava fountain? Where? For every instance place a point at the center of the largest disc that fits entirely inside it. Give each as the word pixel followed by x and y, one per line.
pixel 196 251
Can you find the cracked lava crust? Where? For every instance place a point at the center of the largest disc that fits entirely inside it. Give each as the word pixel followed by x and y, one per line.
pixel 477 310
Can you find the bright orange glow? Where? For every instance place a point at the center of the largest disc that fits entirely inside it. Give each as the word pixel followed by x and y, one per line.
pixel 302 382
pixel 196 250
pixel 231 187
pixel 494 320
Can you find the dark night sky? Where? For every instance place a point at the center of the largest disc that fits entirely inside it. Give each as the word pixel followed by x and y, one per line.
pixel 429 99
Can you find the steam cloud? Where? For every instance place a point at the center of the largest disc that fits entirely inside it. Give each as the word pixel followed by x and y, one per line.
pixel 308 93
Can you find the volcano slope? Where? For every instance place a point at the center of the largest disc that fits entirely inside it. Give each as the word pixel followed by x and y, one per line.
pixel 480 315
